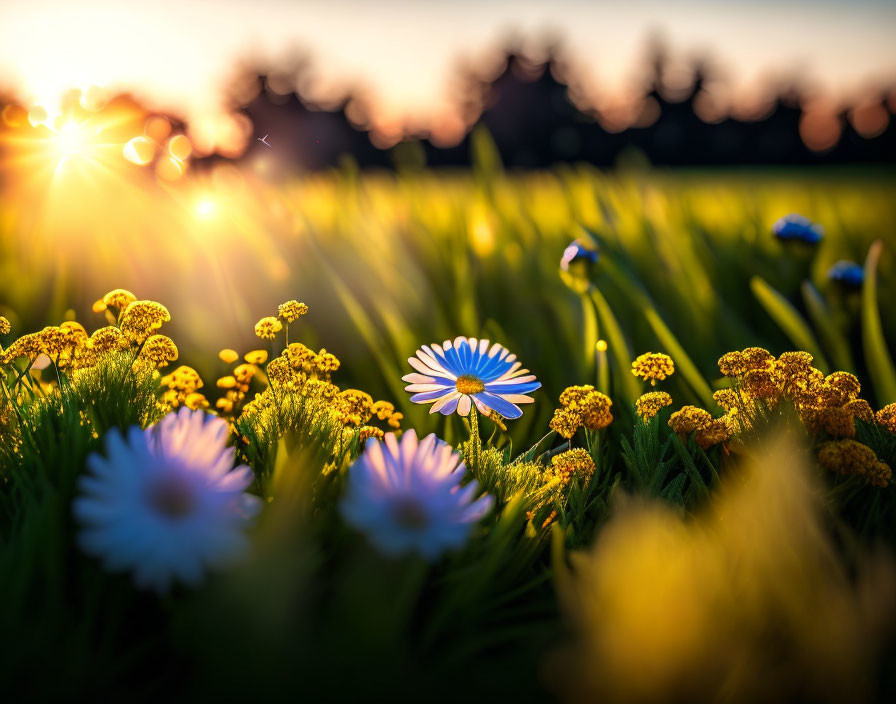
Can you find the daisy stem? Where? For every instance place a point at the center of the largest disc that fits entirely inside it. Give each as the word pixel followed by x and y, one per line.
pixel 475 442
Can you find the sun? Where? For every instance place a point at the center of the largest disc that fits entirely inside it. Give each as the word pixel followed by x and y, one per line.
pixel 72 140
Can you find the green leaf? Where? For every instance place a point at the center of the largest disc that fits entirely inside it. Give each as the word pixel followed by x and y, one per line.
pixel 834 340
pixel 880 364
pixel 789 320
pixel 630 387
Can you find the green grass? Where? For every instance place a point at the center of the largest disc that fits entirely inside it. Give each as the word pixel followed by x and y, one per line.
pixel 687 266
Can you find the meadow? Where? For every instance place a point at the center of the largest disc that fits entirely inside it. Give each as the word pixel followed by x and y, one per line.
pixel 725 537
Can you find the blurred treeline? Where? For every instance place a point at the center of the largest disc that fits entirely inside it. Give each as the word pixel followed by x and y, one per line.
pixel 539 114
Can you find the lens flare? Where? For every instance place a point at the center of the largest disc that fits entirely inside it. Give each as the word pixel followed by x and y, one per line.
pixel 72 140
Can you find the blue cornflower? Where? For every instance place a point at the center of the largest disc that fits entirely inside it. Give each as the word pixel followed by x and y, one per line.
pixel 407 496
pixel 847 273
pixel 797 228
pixel 454 375
pixel 577 253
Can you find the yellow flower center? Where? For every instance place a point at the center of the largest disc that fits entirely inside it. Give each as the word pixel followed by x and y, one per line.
pixel 469 385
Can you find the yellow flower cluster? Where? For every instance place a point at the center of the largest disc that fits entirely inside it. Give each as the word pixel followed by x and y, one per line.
pixel 5 327
pixel 159 351
pixel 886 417
pixel 142 318
pixel 292 310
pixel 228 356
pixel 236 384
pixel 651 403
pixel 653 367
pixel 581 407
pixel 708 431
pixel 827 406
pixel 569 465
pixel 183 389
pixel 300 373
pixel 268 327
pixel 853 458
pixel 688 419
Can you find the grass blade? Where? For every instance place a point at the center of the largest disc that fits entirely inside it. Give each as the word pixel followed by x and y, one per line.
pixel 880 364
pixel 789 320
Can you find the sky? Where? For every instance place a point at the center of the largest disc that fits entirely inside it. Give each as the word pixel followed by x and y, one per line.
pixel 179 54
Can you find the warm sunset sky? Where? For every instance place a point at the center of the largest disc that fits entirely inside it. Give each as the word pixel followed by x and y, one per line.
pixel 179 52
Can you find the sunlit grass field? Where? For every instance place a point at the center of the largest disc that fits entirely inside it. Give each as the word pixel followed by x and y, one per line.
pixel 390 262
pixel 631 559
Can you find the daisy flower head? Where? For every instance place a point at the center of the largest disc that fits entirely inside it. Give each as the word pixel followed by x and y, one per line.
pixel 797 228
pixel 406 496
pixel 849 274
pixel 455 375
pixel 166 503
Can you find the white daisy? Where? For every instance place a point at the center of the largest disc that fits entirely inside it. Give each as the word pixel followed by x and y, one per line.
pixel 166 503
pixel 407 497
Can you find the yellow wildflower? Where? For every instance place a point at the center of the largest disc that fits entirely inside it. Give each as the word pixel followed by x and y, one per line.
pixel 325 362
pixel 299 356
pixel 244 373
pixel 184 380
pixel 228 356
pixel 107 339
pixel 353 406
pixel 569 465
pixel 268 327
pixel 368 431
pixel 224 405
pixel 226 382
pixel 727 399
pixel 26 346
pixel 395 420
pixel 53 341
pixel 853 458
pixel 565 422
pixel 382 409
pixel 732 364
pixel 591 407
pixel 653 367
pixel 196 401
pixel 838 422
pixel 714 433
pixel 861 409
pixel 839 388
pixel 762 383
pixel 688 419
pixel 280 372
pixel 756 358
pixel 256 357
pixel 292 310
pixel 794 362
pixel 886 417
pixel 5 327
pixel 651 403
pixel 141 318
pixel 320 389
pixel 118 298
pixel 74 329
pixel 573 394
pixel 595 411
pixel 159 350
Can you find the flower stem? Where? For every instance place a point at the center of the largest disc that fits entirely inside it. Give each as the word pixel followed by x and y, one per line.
pixel 475 442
